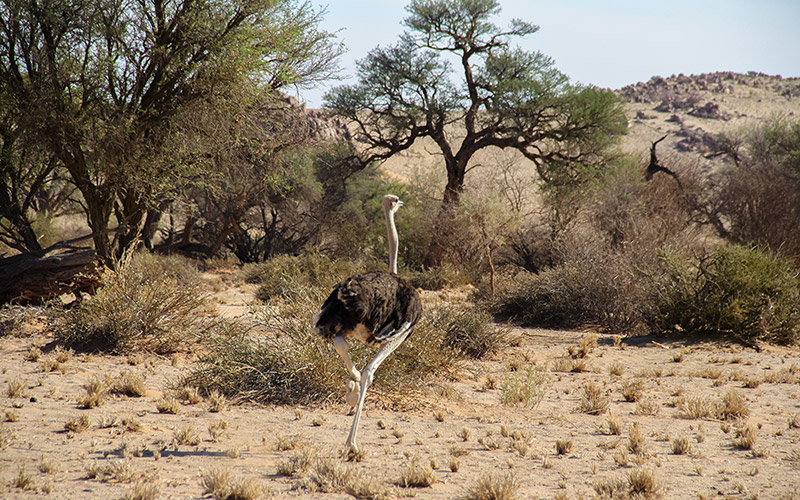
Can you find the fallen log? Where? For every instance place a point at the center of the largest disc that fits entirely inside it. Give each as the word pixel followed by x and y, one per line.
pixel 31 279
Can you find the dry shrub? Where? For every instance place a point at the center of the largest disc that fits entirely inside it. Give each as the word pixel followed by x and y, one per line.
pixel 594 399
pixel 149 303
pixel 524 388
pixel 754 194
pixel 593 287
pixel 281 276
pixel 295 365
pixel 468 329
pixel 438 278
pixel 605 267
pixel 493 486
pixel 20 321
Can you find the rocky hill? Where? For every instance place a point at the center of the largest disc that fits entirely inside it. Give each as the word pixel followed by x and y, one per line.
pixel 692 110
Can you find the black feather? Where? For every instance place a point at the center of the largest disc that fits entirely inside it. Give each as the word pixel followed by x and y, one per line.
pixel 379 301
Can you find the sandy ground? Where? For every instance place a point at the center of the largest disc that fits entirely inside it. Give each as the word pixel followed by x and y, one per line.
pixel 459 425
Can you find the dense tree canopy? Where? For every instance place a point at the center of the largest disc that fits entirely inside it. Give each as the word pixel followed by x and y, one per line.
pixel 456 78
pixel 98 83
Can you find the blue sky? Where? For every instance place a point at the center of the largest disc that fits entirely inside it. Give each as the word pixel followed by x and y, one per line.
pixel 610 43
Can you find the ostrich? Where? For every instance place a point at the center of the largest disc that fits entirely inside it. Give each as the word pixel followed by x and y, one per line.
pixel 377 308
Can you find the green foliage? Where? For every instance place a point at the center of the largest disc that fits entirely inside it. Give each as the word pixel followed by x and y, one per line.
pixel 100 83
pixel 749 294
pixel 506 98
pixel 150 303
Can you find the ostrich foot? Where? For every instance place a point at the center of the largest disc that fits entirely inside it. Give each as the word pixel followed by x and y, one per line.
pixel 353 390
pixel 351 453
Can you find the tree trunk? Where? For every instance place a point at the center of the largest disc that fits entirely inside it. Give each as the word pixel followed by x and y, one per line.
pixel 443 227
pixel 27 236
pixel 28 279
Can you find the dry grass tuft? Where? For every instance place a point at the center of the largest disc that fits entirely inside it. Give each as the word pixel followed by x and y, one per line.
pixel 632 390
pixel 113 470
pixel 616 369
pixel 168 404
pixel 564 446
pixel 614 425
pixel 746 438
pixel 644 484
pixel 187 435
pixel 646 407
pixel 298 463
pixel 639 484
pixel 681 445
pixel 524 388
pixel 733 407
pixel 15 389
pixel 221 486
pixel 22 480
pixel 636 440
pixel 217 429
pixel 594 399
pixel 189 395
pixel 143 490
pixel 416 474
pixel 492 486
pixel 47 465
pixel 130 384
pixel 78 424
pixel 330 476
pixel 96 391
pixel 697 408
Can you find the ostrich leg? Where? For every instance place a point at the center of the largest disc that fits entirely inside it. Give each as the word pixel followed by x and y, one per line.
pixel 367 376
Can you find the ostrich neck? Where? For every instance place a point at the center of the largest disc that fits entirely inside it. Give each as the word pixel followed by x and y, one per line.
pixel 392 239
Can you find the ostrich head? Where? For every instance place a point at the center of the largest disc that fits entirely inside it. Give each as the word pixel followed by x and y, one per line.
pixel 391 203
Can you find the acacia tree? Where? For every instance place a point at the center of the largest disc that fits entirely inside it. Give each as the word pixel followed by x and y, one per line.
pixel 100 81
pixel 492 94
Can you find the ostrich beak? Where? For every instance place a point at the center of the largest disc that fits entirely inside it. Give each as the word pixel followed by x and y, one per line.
pixel 399 203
